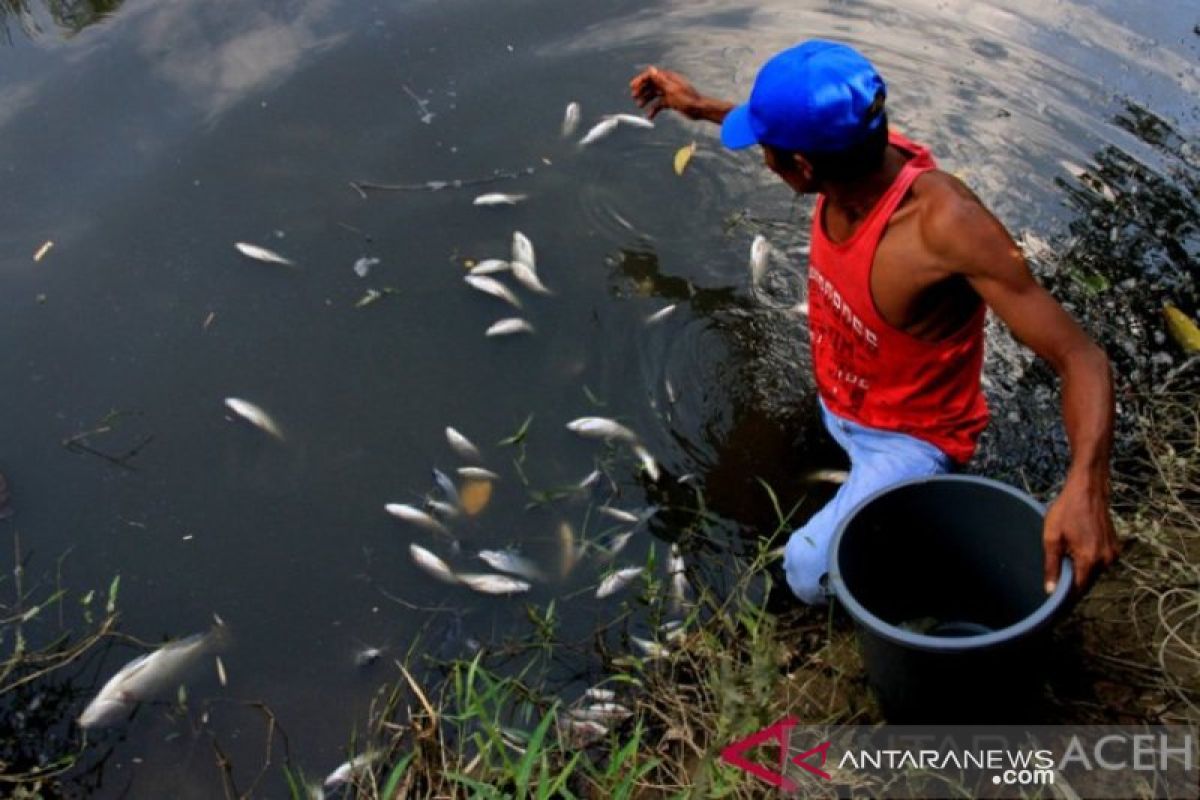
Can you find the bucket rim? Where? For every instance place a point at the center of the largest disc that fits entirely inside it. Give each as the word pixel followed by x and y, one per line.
pixel 1040 617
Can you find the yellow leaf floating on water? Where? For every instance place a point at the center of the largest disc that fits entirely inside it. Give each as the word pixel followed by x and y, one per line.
pixel 682 156
pixel 1182 328
pixel 474 496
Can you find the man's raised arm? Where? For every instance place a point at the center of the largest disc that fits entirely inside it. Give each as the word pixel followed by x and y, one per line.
pixel 667 89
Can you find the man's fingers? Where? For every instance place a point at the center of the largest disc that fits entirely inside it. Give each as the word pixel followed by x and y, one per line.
pixel 658 106
pixel 1052 545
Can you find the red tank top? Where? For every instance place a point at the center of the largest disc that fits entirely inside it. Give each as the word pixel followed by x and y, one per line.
pixel 875 374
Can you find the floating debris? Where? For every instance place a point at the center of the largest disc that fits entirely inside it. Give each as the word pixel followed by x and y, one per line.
pixel 499 199
pixel 478 474
pixel 431 564
pixel 1182 329
pixel 463 446
pixel 475 496
pixel 661 314
pixel 511 562
pixel 41 251
pixel 617 581
pixel 362 267
pixel 494 584
pixel 838 476
pixel 571 119
pixel 416 516
pixel 683 156
pixel 601 428
pixel 255 415
pixel 262 254
pixel 508 326
pixel 495 288
pixel 598 131
pixel 490 266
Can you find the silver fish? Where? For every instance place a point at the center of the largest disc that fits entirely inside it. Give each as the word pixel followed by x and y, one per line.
pixel 838 476
pixel 508 326
pixel 447 486
pixel 494 584
pixel 650 649
pixel 495 288
pixel 462 445
pixel 489 266
pixel 222 677
pixel 679 582
pixel 362 267
pixel 648 462
pixel 620 514
pixel 522 250
pixel 760 253
pixel 601 428
pixel 583 732
pixel 617 581
pixel 569 549
pixel 513 563
pixel 499 199
pixel 146 677
pixel 598 131
pixel 366 656
pixel 590 480
pixel 432 565
pixel 478 474
pixel 618 542
pixel 602 712
pixel 600 695
pixel 571 119
pixel 528 277
pixel 349 770
pixel 631 119
pixel 444 509
pixel 254 415
pixel 661 314
pixel 417 517
pixel 262 254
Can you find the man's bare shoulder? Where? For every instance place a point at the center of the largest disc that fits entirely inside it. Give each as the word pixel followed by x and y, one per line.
pixel 953 222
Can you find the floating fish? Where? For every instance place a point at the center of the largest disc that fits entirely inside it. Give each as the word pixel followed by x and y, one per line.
pixel 369 297
pixel 362 267
pixel 583 732
pixel 632 120
pixel 598 131
pixel 432 565
pixel 620 514
pixel 600 695
pixel 650 649
pixel 618 542
pixel 569 550
pixel 366 656
pixel 760 253
pixel 462 445
pixel 591 479
pixel 528 277
pixel 498 199
pixel 254 415
pixel 602 712
pixel 490 266
pixel 648 462
pixel 683 156
pixel 838 476
pixel 41 251
pixel 349 770
pixel 417 517
pixel 444 509
pixel 601 428
pixel 447 486
pixel 617 581
pixel 508 326
pixel 661 314
pixel 522 250
pixel 222 677
pixel 475 496
pixel 495 288
pixel 571 119
pixel 511 562
pixel 262 254
pixel 147 677
pixel 478 474
pixel 679 582
pixel 1182 328
pixel 494 584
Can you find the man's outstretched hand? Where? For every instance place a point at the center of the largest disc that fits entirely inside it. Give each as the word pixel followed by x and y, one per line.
pixel 1079 525
pixel 661 89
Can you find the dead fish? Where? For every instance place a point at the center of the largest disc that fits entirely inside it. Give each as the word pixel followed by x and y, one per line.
pixel 648 462
pixel 222 678
pixel 349 770
pixel 601 428
pixel 417 517
pixel 362 267
pixel 489 266
pixel 494 584
pixel 1182 329
pixel 568 549
pixel 661 314
pixel 600 695
pixel 617 581
pixel 432 565
pixel 508 326
pixel 671 395
pixel 146 677
pixel 631 119
pixel 462 445
pixel 511 562
pixel 589 480
pixel 602 712
pixel 618 542
pixel 571 119
pixel 366 656
pixel 495 288
pixel 254 415
pixel 838 476
pixel 679 582
pixel 447 486
pixel 444 509
pixel 262 254
pixel 620 514
pixel 370 296
pixel 760 252
pixel 598 131
pixel 478 474
pixel 527 277
pixel 583 732
pixel 650 649
pixel 498 199
pixel 522 250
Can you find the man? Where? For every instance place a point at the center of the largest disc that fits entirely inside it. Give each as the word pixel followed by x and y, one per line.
pixel 904 259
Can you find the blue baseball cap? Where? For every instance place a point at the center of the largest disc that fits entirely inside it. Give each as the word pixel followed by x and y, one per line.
pixel 816 97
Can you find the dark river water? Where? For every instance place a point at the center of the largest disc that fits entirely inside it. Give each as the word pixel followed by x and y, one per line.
pixel 146 137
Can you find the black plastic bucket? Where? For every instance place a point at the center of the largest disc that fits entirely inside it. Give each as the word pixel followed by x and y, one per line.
pixel 943 577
